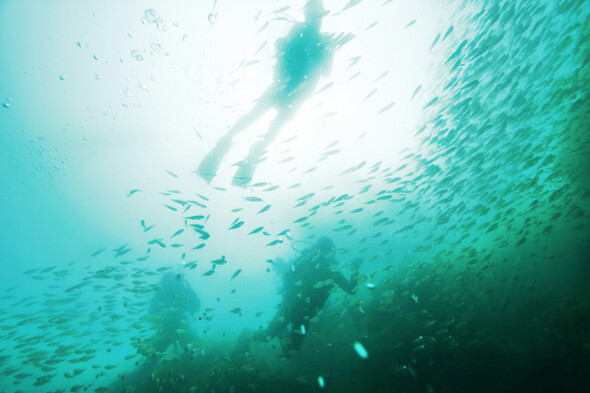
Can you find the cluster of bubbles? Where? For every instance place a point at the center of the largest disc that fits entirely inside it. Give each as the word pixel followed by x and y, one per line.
pixel 152 16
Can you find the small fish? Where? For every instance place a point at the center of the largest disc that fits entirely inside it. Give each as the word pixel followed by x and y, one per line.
pixel 350 4
pixel 265 208
pixel 264 26
pixel 171 173
pixel 281 10
pixel 253 199
pixel 237 225
pixel 208 273
pixel 171 207
pixel 236 273
pixel 256 230
pixel 290 139
pixel 275 242
pixel 198 204
pixel 307 196
pixel 435 41
pixel 352 169
pixel 253 62
pixel 95 253
pixel 370 94
pixel 353 61
pixel 260 47
pixel 191 265
pixel 271 188
pixel 220 261
pixel 330 84
pixel 331 152
pixel 371 25
pixel 75 287
pixel 198 217
pixel 199 246
pixel 409 24
pixel 204 235
pixel 133 192
pixel 158 242
pixel 197 132
pixel 385 108
pixel 288 159
pixel 332 144
pixel 382 76
pixel 416 92
pixel 449 31
pixel 353 77
pixel 163 269
pixel 430 102
pixel 178 232
pixel 236 310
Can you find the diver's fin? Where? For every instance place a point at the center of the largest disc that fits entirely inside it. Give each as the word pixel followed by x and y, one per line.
pixel 209 165
pixel 244 174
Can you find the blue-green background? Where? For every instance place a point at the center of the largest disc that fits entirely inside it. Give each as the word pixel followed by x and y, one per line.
pixel 480 167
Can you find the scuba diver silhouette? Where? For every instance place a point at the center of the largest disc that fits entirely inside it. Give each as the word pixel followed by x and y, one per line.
pixel 306 288
pixel 303 57
pixel 171 311
pixel 172 308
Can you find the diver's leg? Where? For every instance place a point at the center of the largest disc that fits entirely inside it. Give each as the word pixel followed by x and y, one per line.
pixel 296 338
pixel 246 170
pixel 209 165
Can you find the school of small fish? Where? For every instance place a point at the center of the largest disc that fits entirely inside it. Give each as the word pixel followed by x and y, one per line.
pixel 487 188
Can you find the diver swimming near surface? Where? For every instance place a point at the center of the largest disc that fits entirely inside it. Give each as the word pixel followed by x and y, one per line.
pixel 304 56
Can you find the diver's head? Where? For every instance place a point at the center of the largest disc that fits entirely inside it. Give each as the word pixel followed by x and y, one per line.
pixel 324 244
pixel 314 11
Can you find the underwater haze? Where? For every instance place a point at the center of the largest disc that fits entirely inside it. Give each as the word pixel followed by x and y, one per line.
pixel 294 196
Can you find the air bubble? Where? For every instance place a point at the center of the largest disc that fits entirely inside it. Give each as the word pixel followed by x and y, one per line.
pixel 137 55
pixel 151 16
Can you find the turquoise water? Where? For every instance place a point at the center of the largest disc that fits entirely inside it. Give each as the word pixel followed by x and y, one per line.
pixel 447 148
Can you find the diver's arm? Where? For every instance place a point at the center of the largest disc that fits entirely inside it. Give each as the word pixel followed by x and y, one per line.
pixel 346 285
